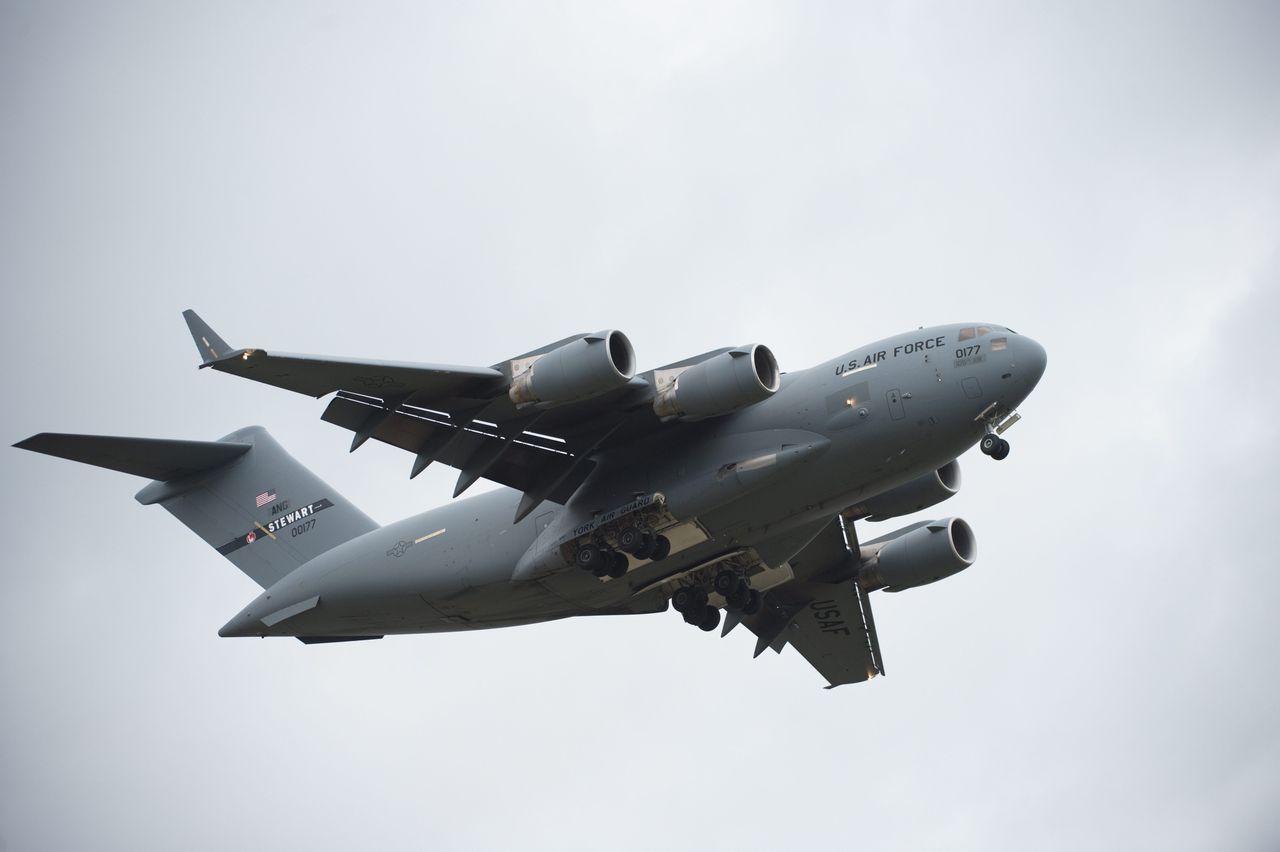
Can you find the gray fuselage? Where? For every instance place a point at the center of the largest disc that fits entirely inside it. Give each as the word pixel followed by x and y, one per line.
pixel 767 477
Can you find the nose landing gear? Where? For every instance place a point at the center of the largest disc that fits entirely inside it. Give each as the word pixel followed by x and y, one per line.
pixel 994 446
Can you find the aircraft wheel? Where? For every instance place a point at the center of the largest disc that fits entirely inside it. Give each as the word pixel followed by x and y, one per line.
pixel 661 548
pixel 589 557
pixel 990 443
pixel 726 582
pixel 740 596
pixel 710 619
pixel 1001 451
pixel 647 543
pixel 630 539
pixel 617 564
pixel 684 600
pixel 754 600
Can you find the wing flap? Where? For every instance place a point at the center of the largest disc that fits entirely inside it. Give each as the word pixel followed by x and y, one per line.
pixel 528 462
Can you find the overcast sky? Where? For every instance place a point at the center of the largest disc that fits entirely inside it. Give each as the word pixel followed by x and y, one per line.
pixel 462 183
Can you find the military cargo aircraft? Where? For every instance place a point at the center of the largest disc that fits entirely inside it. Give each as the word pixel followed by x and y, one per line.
pixel 717 483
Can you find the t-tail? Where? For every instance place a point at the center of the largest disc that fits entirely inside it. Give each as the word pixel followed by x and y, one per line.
pixel 243 494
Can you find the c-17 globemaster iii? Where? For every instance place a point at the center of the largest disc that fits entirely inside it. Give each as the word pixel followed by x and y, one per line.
pixel 714 483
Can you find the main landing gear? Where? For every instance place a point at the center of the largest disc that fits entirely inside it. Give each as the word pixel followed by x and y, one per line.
pixel 994 446
pixel 692 601
pixel 641 542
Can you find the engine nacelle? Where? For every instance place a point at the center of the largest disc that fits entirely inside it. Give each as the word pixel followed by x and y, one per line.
pixel 917 555
pixel 719 385
pixel 920 493
pixel 580 369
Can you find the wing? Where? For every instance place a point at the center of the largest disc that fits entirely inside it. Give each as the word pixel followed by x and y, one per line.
pixel 460 416
pixel 829 623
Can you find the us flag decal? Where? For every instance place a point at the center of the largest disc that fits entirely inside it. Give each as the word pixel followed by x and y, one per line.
pixel 268 496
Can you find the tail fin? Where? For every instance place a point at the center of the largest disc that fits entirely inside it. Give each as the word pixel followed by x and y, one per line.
pixel 243 494
pixel 211 346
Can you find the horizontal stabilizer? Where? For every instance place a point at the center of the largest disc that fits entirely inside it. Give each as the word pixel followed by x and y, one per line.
pixel 153 458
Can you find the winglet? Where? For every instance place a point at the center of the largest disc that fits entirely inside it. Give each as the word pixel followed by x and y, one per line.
pixel 211 346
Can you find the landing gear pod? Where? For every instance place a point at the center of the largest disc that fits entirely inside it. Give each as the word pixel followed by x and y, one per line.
pixel 589 366
pixel 720 385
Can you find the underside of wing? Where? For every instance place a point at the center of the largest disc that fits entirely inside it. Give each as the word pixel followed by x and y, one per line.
pixel 529 461
pixel 829 623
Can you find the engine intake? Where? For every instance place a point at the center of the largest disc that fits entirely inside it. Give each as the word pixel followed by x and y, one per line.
pixel 920 493
pixel 719 385
pixel 917 555
pixel 580 369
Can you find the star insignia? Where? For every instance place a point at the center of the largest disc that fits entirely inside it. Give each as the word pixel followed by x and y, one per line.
pixel 400 548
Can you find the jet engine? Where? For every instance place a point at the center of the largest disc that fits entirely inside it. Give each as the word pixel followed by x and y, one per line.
pixel 719 385
pixel 920 493
pixel 917 555
pixel 580 369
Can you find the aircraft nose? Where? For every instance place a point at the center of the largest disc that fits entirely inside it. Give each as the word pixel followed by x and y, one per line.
pixel 1032 361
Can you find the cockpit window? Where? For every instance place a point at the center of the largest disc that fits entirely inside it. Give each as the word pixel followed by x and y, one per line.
pixel 999 343
pixel 966 333
pixel 972 332
pixel 984 330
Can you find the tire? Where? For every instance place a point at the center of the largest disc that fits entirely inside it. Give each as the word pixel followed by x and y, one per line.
pixel 647 544
pixel 739 597
pixel 630 539
pixel 618 564
pixel 725 583
pixel 589 557
pixel 684 599
pixel 661 548
pixel 990 443
pixel 1002 451
pixel 710 619
pixel 754 600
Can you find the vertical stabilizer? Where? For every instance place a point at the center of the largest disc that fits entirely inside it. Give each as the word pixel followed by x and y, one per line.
pixel 244 495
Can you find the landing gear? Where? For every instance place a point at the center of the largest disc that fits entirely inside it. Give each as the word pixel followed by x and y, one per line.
pixel 602 561
pixel 738 596
pixel 994 446
pixel 644 543
pixel 590 557
pixel 630 539
pixel 618 564
pixel 692 601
